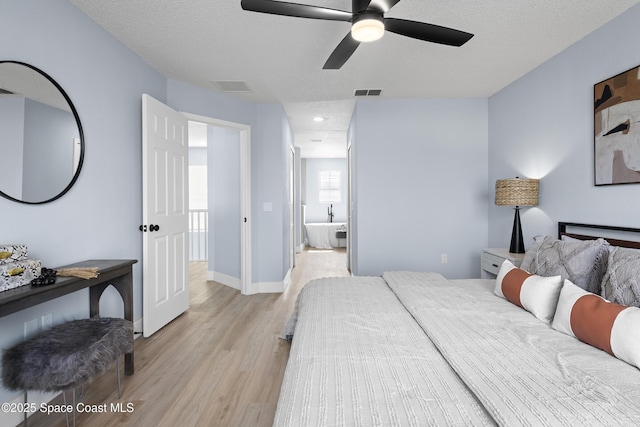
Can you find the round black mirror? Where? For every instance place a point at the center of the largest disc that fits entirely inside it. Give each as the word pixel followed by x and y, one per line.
pixel 42 144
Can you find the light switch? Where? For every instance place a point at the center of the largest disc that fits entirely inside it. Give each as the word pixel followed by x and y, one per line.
pixel 267 207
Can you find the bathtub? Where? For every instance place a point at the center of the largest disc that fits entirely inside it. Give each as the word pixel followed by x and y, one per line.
pixel 323 235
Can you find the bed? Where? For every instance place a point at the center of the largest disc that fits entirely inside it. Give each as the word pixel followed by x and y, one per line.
pixel 416 349
pixel 326 235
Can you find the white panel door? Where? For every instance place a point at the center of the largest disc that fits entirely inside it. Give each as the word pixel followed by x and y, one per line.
pixel 165 214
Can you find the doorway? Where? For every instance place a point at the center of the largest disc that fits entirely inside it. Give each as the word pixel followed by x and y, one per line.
pixel 229 201
pixel 324 200
pixel 198 193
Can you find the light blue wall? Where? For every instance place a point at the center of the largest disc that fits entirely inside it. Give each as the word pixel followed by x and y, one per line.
pixel 316 211
pixel 421 184
pixel 99 217
pixel 541 126
pixel 270 187
pixel 223 179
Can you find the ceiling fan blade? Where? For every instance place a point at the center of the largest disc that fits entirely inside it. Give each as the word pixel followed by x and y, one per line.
pixel 339 56
pixel 427 32
pixel 360 5
pixel 295 9
pixel 383 5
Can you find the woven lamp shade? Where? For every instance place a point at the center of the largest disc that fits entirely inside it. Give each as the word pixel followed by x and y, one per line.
pixel 517 192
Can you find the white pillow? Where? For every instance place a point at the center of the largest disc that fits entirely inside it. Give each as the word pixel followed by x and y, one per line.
pixel 536 294
pixel 592 319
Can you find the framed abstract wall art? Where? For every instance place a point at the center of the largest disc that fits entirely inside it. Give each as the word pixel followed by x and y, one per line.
pixel 616 126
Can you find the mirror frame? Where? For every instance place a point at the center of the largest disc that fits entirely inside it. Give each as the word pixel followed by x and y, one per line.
pixel 80 133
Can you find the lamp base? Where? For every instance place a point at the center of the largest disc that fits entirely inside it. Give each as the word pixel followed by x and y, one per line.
pixel 517 242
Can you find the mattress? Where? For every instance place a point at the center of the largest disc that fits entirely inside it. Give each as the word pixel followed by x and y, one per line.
pixel 416 349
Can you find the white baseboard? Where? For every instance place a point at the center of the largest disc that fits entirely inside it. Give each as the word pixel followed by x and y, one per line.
pixel 266 288
pixel 271 287
pixel 254 288
pixel 232 282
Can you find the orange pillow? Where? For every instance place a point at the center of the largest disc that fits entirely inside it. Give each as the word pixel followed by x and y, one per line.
pixel 536 294
pixel 592 319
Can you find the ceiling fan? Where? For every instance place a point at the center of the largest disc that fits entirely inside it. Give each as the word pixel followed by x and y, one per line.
pixel 367 24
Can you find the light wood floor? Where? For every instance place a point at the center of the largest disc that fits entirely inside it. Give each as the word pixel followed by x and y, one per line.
pixel 219 364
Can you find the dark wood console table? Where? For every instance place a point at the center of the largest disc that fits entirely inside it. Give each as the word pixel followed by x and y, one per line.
pixel 117 273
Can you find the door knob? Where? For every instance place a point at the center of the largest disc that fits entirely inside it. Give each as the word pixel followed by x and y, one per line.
pixel 153 227
pixel 143 228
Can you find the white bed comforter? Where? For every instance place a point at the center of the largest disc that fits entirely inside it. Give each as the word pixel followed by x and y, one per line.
pixel 524 372
pixel 358 359
pixel 413 349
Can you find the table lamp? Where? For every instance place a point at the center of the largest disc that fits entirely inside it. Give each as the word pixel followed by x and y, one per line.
pixel 517 192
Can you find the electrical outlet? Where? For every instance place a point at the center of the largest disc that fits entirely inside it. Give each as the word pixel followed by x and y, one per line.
pixel 47 321
pixel 444 258
pixel 31 328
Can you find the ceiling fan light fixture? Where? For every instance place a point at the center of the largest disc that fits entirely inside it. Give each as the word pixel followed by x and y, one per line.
pixel 367 29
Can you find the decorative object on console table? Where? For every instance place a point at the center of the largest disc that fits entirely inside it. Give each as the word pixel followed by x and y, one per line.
pixel 491 259
pixel 12 253
pixel 81 272
pixel 19 273
pixel 517 192
pixel 16 269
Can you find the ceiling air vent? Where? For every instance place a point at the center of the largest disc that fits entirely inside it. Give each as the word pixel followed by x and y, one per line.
pixel 232 86
pixel 367 92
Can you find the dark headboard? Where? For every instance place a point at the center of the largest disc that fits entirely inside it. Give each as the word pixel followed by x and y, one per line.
pixel 562 231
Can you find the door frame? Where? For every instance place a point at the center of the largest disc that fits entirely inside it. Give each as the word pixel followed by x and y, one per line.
pixel 245 193
pixel 292 207
pixel 349 208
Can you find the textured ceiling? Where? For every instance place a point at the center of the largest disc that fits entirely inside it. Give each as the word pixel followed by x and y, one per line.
pixel 280 58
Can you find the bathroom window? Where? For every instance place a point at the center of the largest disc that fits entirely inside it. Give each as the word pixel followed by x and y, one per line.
pixel 330 187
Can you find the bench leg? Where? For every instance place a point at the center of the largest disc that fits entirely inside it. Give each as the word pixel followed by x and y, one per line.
pixel 74 406
pixel 25 412
pixel 118 374
pixel 64 401
pixel 66 414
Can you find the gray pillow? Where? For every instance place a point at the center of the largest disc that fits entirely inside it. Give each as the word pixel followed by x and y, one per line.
pixel 582 262
pixel 621 282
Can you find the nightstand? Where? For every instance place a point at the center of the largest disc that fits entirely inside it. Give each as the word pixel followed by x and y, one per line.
pixel 491 260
